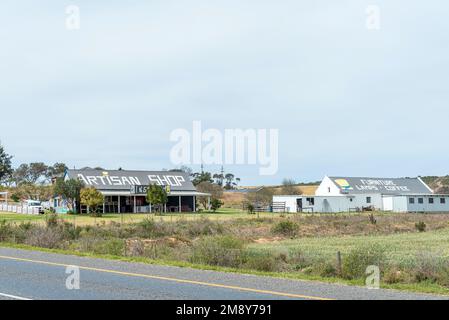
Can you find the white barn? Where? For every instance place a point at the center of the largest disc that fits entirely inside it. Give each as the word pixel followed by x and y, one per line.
pixel 346 194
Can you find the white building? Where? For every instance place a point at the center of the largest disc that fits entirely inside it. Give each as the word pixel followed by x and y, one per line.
pixel 346 194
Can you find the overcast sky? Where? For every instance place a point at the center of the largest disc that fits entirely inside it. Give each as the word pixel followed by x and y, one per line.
pixel 347 100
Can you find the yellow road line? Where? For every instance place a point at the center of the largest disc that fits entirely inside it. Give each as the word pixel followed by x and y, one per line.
pixel 208 284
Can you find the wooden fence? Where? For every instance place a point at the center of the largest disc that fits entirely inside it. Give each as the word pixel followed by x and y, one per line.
pixel 18 209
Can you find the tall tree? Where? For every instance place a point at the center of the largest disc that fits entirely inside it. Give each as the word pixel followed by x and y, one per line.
pixel 202 176
pixel 37 171
pixel 70 190
pixel 5 165
pixel 21 174
pixel 56 171
pixel 231 181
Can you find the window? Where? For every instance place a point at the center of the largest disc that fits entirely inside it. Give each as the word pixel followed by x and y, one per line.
pixel 411 200
pixel 310 201
pixel 442 200
pixel 431 200
pixel 350 199
pixel 368 199
pixel 329 190
pixel 420 200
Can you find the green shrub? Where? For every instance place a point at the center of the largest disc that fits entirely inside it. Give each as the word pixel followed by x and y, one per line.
pixel 325 269
pixel 51 220
pixel 420 226
pixel 224 251
pixel 216 204
pixel 358 259
pixel 148 228
pixel 285 228
pixel 6 230
pixel 115 247
pixel 262 261
pixel 70 232
pixel 432 268
pixel 250 208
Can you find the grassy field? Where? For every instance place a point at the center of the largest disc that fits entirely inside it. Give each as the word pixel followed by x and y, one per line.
pixel 223 214
pixel 290 245
pixel 399 248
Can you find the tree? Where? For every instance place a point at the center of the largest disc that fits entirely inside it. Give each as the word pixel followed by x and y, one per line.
pixel 262 196
pixel 219 177
pixel 56 171
pixel 157 196
pixel 70 190
pixel 289 187
pixel 231 181
pixel 22 174
pixel 5 165
pixel 206 187
pixel 216 204
pixel 184 169
pixel 92 198
pixel 37 170
pixel 199 177
pixel 35 192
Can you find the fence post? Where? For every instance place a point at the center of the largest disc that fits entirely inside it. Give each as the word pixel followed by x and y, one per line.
pixel 339 268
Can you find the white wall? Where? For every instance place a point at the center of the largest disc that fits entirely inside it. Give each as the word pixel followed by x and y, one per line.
pixel 290 202
pixel 388 203
pixel 327 188
pixel 437 206
pixel 333 204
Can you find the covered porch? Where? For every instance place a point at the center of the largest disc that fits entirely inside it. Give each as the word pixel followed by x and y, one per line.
pixel 124 202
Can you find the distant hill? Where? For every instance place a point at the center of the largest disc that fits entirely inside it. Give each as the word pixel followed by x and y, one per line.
pixel 234 199
pixel 438 184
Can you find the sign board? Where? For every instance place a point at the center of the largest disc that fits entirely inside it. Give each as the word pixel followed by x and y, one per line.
pixel 142 190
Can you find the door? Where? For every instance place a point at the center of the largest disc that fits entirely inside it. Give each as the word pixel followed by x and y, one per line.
pixel 299 205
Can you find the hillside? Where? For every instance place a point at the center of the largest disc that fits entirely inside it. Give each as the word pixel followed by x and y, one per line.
pixel 234 199
pixel 438 184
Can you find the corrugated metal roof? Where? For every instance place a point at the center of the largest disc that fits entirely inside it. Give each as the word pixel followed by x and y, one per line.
pixel 123 180
pixel 388 186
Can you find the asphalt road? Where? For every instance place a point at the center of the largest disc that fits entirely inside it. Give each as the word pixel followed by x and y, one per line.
pixel 42 276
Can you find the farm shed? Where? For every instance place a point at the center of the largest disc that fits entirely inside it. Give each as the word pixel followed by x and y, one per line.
pixel 346 194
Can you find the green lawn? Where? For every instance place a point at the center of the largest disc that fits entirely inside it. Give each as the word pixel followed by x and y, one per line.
pixel 399 248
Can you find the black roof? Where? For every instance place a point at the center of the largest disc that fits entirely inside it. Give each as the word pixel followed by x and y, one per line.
pixel 387 186
pixel 123 180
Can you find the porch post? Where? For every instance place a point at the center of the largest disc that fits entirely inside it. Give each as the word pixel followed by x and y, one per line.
pixel 118 204
pixel 194 203
pixel 208 203
pixel 135 202
pixel 179 201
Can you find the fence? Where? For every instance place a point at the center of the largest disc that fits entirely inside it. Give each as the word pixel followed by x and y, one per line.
pixel 18 209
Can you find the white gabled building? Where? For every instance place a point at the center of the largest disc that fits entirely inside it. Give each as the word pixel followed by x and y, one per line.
pixel 346 194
